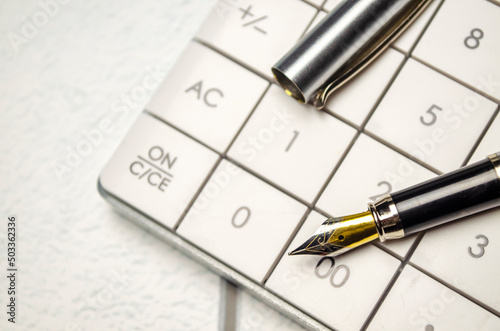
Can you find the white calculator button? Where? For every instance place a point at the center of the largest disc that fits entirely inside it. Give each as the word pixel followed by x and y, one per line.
pixel 207 96
pixel 406 41
pixel 370 83
pixel 465 254
pixel 417 302
pixel 257 32
pixel 431 117
pixel 490 143
pixel 241 220
pixel 293 145
pixel 387 172
pixel 156 169
pixel 339 291
pixel 464 42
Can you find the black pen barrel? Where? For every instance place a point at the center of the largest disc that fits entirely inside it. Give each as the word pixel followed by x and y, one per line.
pixel 451 196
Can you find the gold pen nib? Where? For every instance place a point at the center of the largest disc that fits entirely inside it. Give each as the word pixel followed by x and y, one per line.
pixel 340 234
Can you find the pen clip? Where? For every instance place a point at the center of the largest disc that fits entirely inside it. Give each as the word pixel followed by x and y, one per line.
pixel 360 61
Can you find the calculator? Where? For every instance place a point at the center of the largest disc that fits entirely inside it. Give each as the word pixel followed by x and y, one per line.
pixel 226 167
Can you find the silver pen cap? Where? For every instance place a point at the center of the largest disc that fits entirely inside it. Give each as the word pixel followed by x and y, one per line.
pixel 341 45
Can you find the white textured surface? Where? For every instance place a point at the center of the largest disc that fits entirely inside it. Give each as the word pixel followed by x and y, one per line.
pixel 82 266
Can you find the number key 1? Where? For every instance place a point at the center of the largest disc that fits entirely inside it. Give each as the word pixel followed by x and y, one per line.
pixel 293 146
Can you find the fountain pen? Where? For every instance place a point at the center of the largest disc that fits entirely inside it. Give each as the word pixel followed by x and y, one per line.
pixel 446 198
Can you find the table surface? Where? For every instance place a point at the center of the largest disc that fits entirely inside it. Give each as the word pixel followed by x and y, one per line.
pixel 66 67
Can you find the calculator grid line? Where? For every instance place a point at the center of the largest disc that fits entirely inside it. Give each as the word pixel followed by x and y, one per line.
pixel 246 121
pixel 481 136
pixel 197 193
pixel 334 170
pixel 453 78
pixel 310 23
pixel 455 289
pixel 426 26
pixel 382 95
pixel 288 242
pixel 312 206
pixel 404 153
pixel 180 130
pixel 232 58
pixel 381 299
pixel 268 181
pixel 398 272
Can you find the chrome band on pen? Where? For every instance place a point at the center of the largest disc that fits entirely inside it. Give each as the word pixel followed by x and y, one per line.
pixel 387 219
pixel 439 200
pixel 495 159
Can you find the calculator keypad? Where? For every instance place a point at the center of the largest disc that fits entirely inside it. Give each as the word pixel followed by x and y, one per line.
pixel 229 163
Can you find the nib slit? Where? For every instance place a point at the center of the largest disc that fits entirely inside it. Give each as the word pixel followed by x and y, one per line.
pixel 339 235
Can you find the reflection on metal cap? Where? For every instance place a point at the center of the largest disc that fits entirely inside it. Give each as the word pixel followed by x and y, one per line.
pixel 341 45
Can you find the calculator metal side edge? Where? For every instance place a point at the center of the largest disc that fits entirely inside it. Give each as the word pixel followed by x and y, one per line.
pixel 212 263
